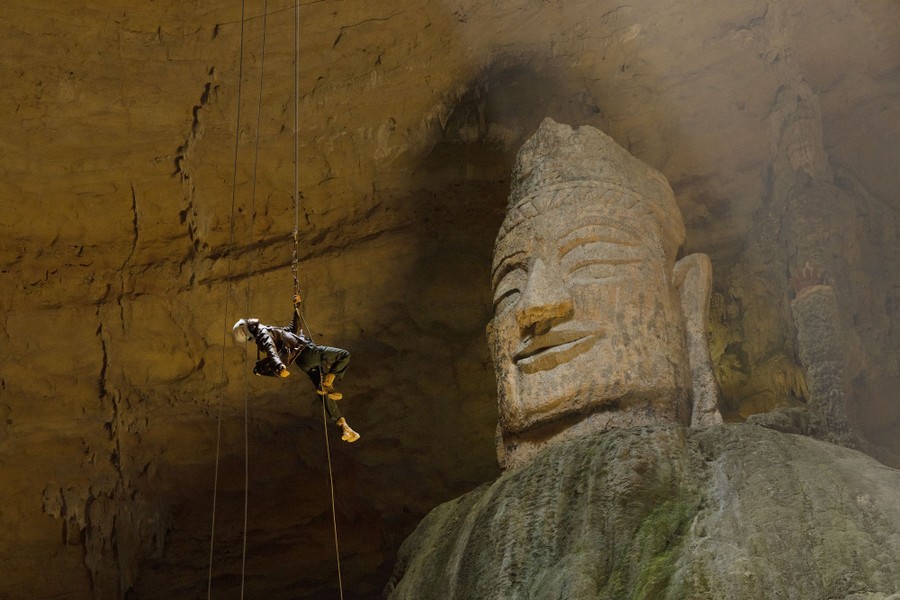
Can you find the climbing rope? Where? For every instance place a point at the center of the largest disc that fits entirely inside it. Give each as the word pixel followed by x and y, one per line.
pixel 322 393
pixel 259 103
pixel 333 511
pixel 295 259
pixel 295 274
pixel 237 139
pixel 227 298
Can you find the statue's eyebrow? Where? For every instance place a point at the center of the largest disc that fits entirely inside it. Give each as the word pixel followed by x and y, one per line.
pixel 619 233
pixel 507 264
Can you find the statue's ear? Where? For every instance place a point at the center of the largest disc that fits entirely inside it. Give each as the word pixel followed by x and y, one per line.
pixel 692 276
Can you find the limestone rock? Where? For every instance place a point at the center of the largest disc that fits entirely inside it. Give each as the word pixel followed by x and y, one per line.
pixel 822 349
pixel 595 324
pixel 733 511
pixel 118 125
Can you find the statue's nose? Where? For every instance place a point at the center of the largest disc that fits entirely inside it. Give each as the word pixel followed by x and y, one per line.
pixel 544 300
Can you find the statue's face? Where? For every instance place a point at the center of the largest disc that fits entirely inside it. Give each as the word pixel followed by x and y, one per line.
pixel 586 317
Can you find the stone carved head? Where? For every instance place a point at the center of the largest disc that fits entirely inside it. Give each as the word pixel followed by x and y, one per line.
pixel 592 315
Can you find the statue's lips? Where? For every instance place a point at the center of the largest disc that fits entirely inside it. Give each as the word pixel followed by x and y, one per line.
pixel 550 350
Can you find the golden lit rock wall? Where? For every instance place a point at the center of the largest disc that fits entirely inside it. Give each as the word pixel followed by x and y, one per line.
pixel 116 174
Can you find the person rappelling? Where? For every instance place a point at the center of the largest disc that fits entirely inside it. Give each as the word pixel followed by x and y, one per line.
pixel 284 346
pixel 280 347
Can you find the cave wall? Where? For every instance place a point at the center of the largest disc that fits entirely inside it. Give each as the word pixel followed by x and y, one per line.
pixel 128 248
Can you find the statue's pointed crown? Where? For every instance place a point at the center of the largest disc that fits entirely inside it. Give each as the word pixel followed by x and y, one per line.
pixel 558 157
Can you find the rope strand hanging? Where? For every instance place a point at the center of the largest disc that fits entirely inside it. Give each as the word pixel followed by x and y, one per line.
pixel 237 139
pixel 296 287
pixel 259 104
pixel 295 259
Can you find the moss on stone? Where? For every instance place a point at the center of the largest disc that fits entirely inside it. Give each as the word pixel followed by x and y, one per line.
pixel 643 573
pixel 734 511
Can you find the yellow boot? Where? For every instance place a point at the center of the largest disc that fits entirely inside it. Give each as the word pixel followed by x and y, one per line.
pixel 348 435
pixel 328 388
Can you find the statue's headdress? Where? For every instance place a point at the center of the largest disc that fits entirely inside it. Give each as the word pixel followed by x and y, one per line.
pixel 555 165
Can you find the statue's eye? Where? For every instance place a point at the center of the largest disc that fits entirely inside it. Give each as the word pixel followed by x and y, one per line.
pixel 594 269
pixel 599 268
pixel 506 300
pixel 600 260
pixel 508 289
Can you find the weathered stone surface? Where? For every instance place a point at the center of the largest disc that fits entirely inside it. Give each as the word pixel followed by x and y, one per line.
pixel 693 279
pixel 116 154
pixel 732 511
pixel 817 216
pixel 822 349
pixel 591 310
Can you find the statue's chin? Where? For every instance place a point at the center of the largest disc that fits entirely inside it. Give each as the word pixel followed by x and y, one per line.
pixel 518 447
pixel 564 410
pixel 531 401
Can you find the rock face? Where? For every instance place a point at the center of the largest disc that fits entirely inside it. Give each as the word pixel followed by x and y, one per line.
pixel 591 309
pixel 733 511
pixel 119 273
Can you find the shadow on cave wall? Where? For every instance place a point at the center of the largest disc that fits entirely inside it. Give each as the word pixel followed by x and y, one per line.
pixel 464 183
pixel 456 198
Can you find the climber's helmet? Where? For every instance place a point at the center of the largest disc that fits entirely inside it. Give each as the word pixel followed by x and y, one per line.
pixel 241 332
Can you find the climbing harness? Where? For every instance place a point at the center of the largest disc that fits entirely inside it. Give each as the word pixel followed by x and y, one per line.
pixel 296 287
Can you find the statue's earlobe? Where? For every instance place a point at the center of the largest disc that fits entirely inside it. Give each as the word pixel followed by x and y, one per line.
pixel 693 279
